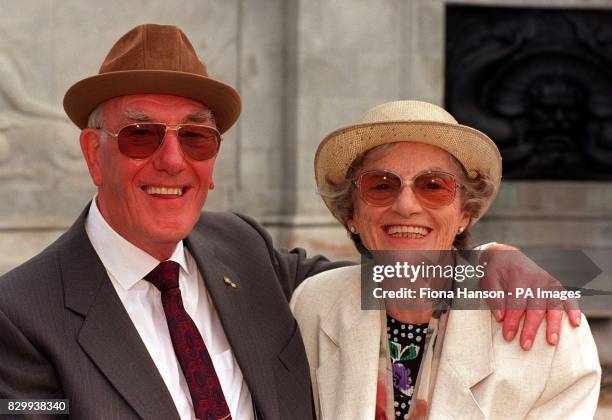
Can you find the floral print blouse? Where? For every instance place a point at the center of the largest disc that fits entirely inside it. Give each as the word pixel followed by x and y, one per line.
pixel 406 347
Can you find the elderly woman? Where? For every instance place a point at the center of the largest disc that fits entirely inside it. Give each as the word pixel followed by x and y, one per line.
pixel 409 177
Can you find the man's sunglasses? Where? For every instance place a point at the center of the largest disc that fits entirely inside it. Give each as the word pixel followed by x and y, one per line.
pixel 433 189
pixel 141 140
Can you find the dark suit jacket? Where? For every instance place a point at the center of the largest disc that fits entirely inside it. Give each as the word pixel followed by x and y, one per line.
pixel 65 334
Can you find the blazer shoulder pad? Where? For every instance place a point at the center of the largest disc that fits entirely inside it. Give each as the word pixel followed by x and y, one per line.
pixel 327 287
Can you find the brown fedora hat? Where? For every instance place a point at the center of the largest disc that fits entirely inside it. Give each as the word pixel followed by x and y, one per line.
pixel 153 59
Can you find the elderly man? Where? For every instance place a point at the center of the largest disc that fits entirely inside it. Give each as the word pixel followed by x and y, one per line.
pixel 146 308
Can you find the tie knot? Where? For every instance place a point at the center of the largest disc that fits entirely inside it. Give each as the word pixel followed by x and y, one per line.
pixel 164 276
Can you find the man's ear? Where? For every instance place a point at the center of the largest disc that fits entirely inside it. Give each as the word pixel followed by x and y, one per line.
pixel 90 146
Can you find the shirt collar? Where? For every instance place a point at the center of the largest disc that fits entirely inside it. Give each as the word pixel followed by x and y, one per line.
pixel 125 262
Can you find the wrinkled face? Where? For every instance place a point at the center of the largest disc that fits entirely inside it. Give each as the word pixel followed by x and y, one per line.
pixel 406 224
pixel 154 202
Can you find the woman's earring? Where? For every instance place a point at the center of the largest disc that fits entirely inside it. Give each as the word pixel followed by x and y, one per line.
pixel 460 230
pixel 353 229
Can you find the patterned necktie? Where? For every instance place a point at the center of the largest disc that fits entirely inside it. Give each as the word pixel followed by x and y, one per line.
pixel 204 386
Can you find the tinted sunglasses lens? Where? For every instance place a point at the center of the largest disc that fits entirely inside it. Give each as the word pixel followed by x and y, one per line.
pixel 435 189
pixel 140 141
pixel 379 188
pixel 199 142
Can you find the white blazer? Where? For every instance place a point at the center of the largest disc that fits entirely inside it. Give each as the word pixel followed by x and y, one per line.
pixel 480 376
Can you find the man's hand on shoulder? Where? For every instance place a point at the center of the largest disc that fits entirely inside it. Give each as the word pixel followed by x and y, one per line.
pixel 508 269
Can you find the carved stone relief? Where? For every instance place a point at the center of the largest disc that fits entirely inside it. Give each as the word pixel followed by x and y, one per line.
pixel 538 82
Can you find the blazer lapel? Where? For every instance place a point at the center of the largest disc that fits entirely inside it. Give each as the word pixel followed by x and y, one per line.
pixel 107 334
pixel 467 359
pixel 347 379
pixel 231 300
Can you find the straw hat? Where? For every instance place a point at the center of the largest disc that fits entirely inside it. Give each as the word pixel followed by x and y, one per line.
pixel 399 121
pixel 153 59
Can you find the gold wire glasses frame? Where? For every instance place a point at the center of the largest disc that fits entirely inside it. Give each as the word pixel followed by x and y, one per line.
pixel 135 148
pixel 387 196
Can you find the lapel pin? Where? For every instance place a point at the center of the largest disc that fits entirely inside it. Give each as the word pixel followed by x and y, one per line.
pixel 229 282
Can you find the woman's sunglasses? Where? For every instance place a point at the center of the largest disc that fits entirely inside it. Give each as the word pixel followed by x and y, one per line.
pixel 141 140
pixel 433 189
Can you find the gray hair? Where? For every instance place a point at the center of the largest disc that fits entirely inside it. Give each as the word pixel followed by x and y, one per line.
pixel 96 118
pixel 473 196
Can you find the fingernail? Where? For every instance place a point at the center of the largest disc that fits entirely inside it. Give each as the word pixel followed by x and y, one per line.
pixel 554 339
pixel 497 314
pixel 577 319
pixel 509 335
pixel 527 345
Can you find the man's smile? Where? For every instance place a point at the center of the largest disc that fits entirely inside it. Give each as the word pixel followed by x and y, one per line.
pixel 164 191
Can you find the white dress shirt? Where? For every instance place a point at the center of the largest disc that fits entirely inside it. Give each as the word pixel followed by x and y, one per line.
pixel 126 266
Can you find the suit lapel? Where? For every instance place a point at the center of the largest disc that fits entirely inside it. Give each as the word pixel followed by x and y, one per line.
pixel 243 330
pixel 467 359
pixel 347 379
pixel 107 334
